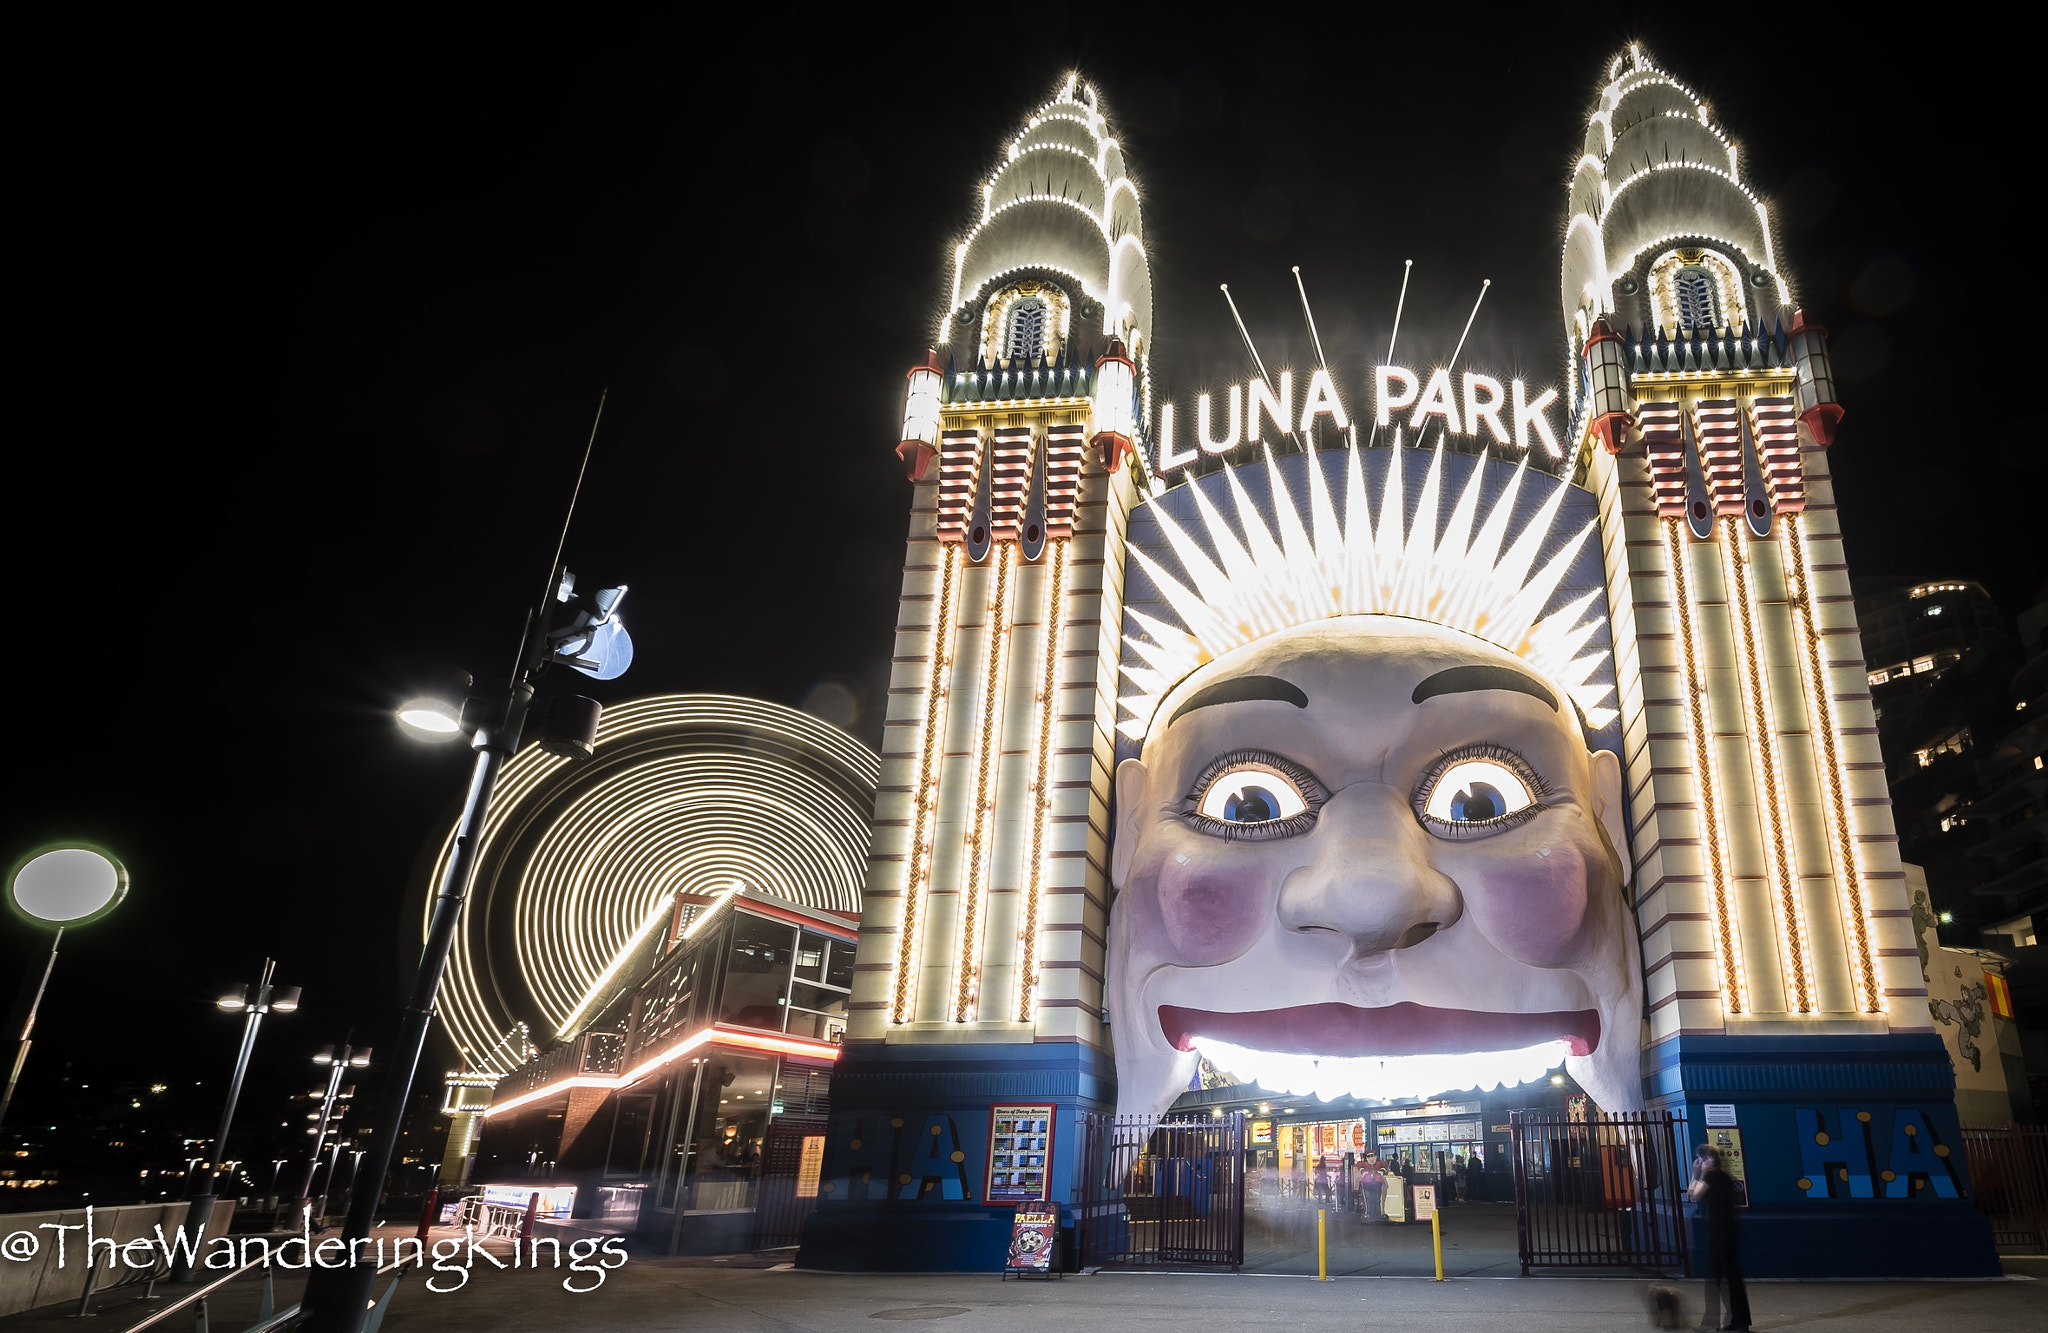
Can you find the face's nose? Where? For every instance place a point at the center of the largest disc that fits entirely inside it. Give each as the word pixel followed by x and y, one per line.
pixel 1371 882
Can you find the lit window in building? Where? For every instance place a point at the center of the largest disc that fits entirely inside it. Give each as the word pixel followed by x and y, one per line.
pixel 1026 340
pixel 1693 288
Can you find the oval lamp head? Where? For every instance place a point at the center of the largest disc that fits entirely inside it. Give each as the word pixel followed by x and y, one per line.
pixel 325 1056
pixel 430 719
pixel 66 885
pixel 284 999
pixel 235 1000
pixel 360 1059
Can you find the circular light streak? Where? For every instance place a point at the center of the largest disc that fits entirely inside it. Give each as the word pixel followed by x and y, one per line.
pixel 688 793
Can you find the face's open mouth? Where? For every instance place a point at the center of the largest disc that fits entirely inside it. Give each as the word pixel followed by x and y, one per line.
pixel 1400 1050
pixel 1343 1030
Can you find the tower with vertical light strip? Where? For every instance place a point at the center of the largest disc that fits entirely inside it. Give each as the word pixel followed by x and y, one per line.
pixel 1782 975
pixel 980 973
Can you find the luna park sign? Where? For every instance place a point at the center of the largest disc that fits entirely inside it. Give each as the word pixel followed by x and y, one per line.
pixel 1264 411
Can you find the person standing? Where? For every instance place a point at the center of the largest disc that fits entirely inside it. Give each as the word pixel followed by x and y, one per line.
pixel 1714 1190
pixel 1375 1184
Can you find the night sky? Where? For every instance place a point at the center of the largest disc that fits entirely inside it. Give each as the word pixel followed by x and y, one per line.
pixel 317 320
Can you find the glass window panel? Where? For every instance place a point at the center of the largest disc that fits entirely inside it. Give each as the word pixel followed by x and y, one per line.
pixel 757 973
pixel 810 956
pixel 732 1121
pixel 818 998
pixel 839 971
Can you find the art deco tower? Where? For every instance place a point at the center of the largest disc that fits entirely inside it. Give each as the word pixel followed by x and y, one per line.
pixel 1783 985
pixel 980 974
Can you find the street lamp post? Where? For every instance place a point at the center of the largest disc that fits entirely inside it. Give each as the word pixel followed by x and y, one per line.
pixel 338 1062
pixel 253 1001
pixel 56 888
pixel 579 632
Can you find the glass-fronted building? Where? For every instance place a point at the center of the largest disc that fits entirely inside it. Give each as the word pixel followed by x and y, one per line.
pixel 712 1057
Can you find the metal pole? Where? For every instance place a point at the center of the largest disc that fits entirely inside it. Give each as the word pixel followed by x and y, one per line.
pixel 200 1212
pixel 675 1234
pixel 28 1025
pixel 338 1299
pixel 320 1136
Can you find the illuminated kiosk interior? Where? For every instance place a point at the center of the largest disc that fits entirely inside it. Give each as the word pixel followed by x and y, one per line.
pixel 650 986
pixel 1435 730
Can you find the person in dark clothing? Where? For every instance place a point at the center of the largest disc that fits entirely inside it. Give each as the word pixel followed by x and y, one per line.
pixel 1714 1190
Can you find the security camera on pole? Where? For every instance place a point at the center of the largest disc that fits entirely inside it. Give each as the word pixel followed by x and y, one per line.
pixel 583 633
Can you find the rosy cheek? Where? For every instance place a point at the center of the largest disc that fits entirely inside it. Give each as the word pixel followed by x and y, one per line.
pixel 1210 914
pixel 1535 905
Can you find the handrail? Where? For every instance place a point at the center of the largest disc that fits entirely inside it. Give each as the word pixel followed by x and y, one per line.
pixel 290 1315
pixel 198 1294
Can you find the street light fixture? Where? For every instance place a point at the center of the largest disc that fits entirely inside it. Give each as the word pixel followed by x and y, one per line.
pixel 58 888
pixel 583 633
pixel 338 1062
pixel 254 1001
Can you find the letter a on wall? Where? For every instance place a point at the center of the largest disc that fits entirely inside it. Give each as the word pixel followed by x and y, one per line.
pixel 937 1167
pixel 1917 1155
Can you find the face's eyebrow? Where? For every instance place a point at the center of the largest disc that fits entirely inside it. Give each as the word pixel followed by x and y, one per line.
pixel 1240 690
pixel 1466 679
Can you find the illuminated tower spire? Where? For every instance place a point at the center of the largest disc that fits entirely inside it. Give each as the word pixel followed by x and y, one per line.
pixel 986 904
pixel 1776 924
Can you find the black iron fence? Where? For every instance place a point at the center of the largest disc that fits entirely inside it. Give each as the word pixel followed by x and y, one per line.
pixel 1162 1192
pixel 2009 1181
pixel 1607 1191
pixel 788 1193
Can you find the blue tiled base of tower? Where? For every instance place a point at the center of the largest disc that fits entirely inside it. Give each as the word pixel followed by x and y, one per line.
pixel 1884 1103
pixel 887 1099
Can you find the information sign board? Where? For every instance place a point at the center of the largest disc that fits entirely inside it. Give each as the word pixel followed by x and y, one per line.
pixel 809 1166
pixel 1425 1202
pixel 1019 1153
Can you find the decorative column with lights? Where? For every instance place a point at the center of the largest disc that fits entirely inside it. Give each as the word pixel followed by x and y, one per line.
pixel 1786 1012
pixel 986 900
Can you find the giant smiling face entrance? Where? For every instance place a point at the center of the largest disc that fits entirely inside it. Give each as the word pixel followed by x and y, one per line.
pixel 1369 849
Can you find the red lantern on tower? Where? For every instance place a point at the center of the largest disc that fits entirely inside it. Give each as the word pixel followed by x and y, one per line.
pixel 921 416
pixel 1116 406
pixel 1814 382
pixel 1607 378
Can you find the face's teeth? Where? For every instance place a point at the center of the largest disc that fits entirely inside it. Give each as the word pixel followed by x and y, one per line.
pixel 1383 1078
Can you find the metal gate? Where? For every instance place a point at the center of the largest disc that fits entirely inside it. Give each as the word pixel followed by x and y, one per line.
pixel 2009 1182
pixel 1162 1191
pixel 781 1207
pixel 1606 1191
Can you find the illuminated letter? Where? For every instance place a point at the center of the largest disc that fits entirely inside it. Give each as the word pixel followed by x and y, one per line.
pixel 935 1161
pixel 1486 408
pixel 1322 397
pixel 1169 461
pixel 1528 414
pixel 1916 1153
pixel 1236 418
pixel 1390 402
pixel 863 1151
pixel 1827 1160
pixel 1264 404
pixel 1438 401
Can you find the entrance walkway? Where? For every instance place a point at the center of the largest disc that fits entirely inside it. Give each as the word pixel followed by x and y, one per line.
pixel 1280 1237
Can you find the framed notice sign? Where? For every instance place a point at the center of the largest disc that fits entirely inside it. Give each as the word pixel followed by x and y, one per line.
pixel 1019 1153
pixel 1034 1234
pixel 809 1166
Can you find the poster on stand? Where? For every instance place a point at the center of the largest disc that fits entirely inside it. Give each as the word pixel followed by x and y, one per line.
pixel 1019 1153
pixel 1034 1234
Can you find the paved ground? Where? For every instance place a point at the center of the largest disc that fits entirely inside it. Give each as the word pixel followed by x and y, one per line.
pixel 746 1294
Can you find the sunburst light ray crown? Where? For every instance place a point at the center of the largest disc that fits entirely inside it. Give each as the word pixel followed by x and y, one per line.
pixel 1484 573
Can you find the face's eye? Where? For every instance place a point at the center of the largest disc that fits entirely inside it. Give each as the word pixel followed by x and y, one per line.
pixel 1250 794
pixel 1466 793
